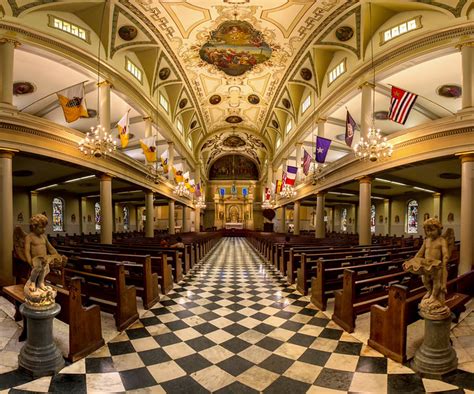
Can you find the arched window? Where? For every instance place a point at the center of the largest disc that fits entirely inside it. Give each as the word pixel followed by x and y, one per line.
pixel 97 216
pixel 344 219
pixel 125 218
pixel 58 214
pixel 412 217
pixel 372 219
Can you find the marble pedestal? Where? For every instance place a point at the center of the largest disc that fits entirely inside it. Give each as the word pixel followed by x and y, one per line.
pixel 436 356
pixel 40 356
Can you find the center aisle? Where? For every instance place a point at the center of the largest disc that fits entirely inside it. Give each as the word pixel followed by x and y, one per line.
pixel 234 326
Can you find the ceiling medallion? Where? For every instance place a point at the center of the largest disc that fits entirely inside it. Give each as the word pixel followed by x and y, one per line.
pixel 306 74
pixel 253 99
pixel 286 103
pixel 449 175
pixel 182 103
pixel 233 119
pixel 22 173
pixel 20 88
pixel 91 113
pixel 381 115
pixel 235 47
pixel 344 33
pixel 275 124
pixel 449 91
pixel 193 124
pixel 128 32
pixel 215 99
pixel 233 141
pixel 164 73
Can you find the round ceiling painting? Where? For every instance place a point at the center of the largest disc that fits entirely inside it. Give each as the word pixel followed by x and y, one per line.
pixel 233 141
pixel 215 99
pixel 450 91
pixel 344 33
pixel 235 47
pixel 233 119
pixel 128 32
pixel 164 73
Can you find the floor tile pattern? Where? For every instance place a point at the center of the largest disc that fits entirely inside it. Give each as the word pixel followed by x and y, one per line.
pixel 234 326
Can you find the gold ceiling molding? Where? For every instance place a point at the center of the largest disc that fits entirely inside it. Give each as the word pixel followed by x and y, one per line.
pixel 186 16
pixel 280 16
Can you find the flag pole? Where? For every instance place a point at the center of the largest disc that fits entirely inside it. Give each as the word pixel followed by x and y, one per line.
pixel 50 94
pixel 427 99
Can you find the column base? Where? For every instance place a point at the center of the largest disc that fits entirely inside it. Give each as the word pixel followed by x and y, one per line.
pixel 436 356
pixel 40 356
pixel 465 114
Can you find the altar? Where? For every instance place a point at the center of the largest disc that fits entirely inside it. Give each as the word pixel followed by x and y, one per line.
pixel 231 225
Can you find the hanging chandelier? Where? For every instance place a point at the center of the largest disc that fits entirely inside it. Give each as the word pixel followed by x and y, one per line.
pixel 97 143
pixel 374 148
pixel 181 190
pixel 200 203
pixel 287 192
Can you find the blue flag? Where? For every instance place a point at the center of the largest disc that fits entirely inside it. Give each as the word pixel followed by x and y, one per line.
pixel 322 147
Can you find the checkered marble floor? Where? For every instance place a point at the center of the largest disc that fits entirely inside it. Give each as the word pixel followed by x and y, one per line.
pixel 234 326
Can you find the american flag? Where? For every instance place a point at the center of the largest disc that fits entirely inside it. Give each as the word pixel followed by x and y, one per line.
pixel 307 159
pixel 401 104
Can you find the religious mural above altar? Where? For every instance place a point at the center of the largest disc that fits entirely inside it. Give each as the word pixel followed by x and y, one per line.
pixel 235 47
pixel 233 167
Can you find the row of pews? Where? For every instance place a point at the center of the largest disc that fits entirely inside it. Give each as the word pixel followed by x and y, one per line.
pixel 361 278
pixel 109 278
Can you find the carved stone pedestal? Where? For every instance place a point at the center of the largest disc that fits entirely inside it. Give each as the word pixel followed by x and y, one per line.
pixel 40 355
pixel 436 356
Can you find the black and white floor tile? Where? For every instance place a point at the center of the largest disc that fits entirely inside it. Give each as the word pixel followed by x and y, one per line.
pixel 234 326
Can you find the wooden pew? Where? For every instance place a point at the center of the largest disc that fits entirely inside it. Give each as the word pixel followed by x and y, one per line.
pixel 85 327
pixel 110 292
pixel 388 325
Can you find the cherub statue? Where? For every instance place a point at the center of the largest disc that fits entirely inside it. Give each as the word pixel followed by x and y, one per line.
pixel 431 262
pixel 40 255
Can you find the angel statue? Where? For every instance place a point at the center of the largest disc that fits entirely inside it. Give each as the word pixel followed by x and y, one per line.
pixel 431 262
pixel 36 250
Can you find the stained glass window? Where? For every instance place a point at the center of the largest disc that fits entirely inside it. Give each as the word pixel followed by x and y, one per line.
pixel 344 219
pixel 58 214
pixel 97 216
pixel 372 219
pixel 412 217
pixel 125 218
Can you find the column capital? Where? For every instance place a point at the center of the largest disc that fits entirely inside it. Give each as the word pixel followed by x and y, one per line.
pixel 465 157
pixel 14 42
pixel 364 179
pixel 147 118
pixel 104 83
pixel 321 194
pixel 34 193
pixel 321 119
pixel 6 153
pixel 105 177
pixel 366 83
pixel 436 194
pixel 148 192
pixel 465 44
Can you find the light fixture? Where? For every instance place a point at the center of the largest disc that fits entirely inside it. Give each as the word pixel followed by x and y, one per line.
pixel 374 147
pixel 392 182
pixel 97 143
pixel 47 187
pixel 423 189
pixel 287 191
pixel 181 190
pixel 200 203
pixel 79 179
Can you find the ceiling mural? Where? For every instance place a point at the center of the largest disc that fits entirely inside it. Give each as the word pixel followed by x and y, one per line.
pixel 233 167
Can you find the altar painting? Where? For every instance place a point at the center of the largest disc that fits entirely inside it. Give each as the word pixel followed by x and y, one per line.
pixel 233 167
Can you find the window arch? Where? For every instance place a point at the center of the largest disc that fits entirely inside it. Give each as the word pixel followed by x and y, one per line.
pixel 412 217
pixel 126 220
pixel 372 219
pixel 97 216
pixel 344 219
pixel 58 214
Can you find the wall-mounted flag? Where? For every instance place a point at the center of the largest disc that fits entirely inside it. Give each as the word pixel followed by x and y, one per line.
pixel 351 126
pixel 73 103
pixel 164 161
pixel 291 175
pixel 307 159
pixel 149 148
pixel 322 147
pixel 401 104
pixel 278 186
pixel 245 191
pixel 123 129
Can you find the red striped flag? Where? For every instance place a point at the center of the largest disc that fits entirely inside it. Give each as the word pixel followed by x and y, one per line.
pixel 307 159
pixel 401 104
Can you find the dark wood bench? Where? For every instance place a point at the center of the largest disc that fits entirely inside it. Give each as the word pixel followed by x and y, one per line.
pixel 388 325
pixel 108 290
pixel 85 327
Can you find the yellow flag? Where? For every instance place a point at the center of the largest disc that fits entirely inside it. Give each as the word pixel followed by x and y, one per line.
pixel 149 149
pixel 123 129
pixel 178 173
pixel 73 103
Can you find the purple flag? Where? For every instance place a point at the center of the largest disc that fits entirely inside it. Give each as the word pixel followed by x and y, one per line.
pixel 322 147
pixel 350 128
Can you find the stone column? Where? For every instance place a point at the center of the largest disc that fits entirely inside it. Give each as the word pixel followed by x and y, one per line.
pixel 321 127
pixel 170 160
pixel 437 206
pixel 270 173
pixel 106 215
pixel 365 186
pixel 320 228
pixel 283 220
pixel 150 214
pixel 33 203
pixel 6 217
pixel 467 54
pixel 7 50
pixel 296 218
pixel 171 229
pixel 299 155
pixel 367 89
pixel 186 221
pixel 148 126
pixel 104 106
pixel 386 214
pixel 466 257
pixel 83 214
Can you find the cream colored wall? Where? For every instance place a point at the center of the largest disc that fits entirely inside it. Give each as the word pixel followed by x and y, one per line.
pixel 451 203
pixel 21 207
